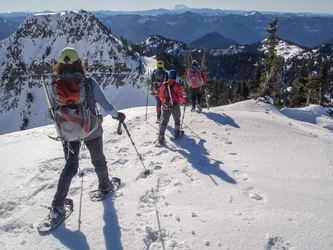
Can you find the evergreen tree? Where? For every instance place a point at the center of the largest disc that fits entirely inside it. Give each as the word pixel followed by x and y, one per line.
pixel 255 83
pixel 319 85
pixel 204 69
pixel 225 95
pixel 214 99
pixel 241 92
pixel 298 93
pixel 271 79
pixel 203 66
pixel 186 64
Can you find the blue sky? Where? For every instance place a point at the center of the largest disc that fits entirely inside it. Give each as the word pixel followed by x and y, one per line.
pixel 318 6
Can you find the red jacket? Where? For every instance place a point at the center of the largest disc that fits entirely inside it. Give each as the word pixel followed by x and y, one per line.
pixel 196 78
pixel 176 92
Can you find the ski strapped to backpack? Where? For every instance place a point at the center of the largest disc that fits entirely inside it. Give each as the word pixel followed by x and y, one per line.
pixel 50 108
pixel 168 103
pixel 73 107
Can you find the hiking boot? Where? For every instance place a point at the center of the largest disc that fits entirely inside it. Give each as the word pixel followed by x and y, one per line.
pixel 161 139
pixel 193 109
pixel 57 211
pixel 109 187
pixel 199 108
pixel 176 134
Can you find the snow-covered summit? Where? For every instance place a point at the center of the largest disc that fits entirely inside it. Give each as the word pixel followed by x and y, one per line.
pixel 244 176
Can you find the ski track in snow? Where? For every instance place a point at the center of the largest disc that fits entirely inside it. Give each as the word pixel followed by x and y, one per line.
pixel 202 191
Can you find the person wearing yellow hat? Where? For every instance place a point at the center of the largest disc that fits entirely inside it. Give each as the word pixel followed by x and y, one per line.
pixel 67 70
pixel 157 78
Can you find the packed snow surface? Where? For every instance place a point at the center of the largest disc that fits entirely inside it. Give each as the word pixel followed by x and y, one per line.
pixel 244 176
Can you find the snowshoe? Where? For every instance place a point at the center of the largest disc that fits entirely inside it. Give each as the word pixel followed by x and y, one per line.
pixel 56 217
pixel 102 194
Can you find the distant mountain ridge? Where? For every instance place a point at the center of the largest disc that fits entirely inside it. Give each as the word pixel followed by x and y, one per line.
pixel 309 31
pixel 213 40
pixel 189 24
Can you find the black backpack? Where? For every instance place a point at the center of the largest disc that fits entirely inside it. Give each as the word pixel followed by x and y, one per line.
pixel 159 76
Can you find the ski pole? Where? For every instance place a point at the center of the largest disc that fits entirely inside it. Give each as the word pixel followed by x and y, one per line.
pixel 147 101
pixel 181 124
pixel 147 171
pixel 206 98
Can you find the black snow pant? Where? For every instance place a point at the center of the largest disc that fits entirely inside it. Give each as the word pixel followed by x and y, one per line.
pixel 196 94
pixel 95 147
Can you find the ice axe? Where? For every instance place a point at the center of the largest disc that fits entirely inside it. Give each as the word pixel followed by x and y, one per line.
pixel 119 131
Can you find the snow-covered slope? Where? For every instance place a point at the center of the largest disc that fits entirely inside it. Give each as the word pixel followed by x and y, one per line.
pixel 244 176
pixel 35 47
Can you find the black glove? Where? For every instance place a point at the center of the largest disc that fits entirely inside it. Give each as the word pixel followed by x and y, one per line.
pixel 121 117
pixel 186 99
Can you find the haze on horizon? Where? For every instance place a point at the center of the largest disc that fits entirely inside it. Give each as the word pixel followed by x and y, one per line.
pixel 297 6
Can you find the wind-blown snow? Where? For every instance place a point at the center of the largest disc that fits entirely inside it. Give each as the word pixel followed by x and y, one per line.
pixel 244 176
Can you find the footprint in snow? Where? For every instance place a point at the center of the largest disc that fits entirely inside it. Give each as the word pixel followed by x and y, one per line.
pixel 123 150
pixel 162 152
pixel 241 176
pixel 226 141
pixel 277 242
pixel 253 194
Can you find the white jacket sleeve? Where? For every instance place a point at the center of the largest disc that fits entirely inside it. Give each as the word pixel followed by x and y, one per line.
pixel 102 101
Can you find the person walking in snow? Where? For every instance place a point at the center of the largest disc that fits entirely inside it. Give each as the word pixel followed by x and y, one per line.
pixel 70 64
pixel 171 95
pixel 157 78
pixel 196 80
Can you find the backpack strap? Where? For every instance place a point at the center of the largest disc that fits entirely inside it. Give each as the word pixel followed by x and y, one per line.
pixel 171 87
pixel 90 96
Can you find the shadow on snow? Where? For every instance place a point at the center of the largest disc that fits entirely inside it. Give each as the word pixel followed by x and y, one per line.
pixel 77 240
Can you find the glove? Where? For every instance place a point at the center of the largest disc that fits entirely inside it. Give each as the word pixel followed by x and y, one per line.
pixel 121 117
pixel 186 99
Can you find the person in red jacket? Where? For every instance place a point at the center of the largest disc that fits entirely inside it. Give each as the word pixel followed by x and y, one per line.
pixel 196 80
pixel 171 95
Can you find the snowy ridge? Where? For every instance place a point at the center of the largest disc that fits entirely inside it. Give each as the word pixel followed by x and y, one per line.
pixel 244 176
pixel 158 44
pixel 284 49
